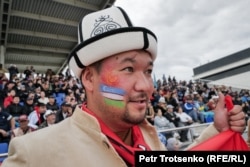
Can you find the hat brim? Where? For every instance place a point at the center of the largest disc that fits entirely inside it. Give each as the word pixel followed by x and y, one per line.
pixel 111 43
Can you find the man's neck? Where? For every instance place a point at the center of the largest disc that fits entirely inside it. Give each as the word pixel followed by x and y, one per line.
pixel 125 136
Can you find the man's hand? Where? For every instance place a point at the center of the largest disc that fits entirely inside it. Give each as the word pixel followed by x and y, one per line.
pixel 224 120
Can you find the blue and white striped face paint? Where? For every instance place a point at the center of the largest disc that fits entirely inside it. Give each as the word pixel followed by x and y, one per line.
pixel 113 95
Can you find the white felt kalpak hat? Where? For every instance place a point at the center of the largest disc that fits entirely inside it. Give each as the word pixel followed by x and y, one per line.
pixel 107 32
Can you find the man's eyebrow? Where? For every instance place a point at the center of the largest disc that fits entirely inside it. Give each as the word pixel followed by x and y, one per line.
pixel 132 60
pixel 128 59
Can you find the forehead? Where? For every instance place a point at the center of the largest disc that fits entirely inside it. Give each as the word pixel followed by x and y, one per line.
pixel 136 56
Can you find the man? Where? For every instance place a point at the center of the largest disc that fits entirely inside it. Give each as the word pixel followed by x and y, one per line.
pixel 23 127
pixel 51 105
pixel 36 117
pixel 50 119
pixel 29 105
pixel 9 99
pixel 190 109
pixel 64 112
pixel 15 109
pixel 7 124
pixel 175 119
pixel 114 61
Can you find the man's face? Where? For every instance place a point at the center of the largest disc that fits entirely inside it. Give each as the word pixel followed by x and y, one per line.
pixel 29 101
pixel 23 124
pixel 51 119
pixel 12 93
pixel 123 88
pixel 42 109
pixel 16 100
pixel 51 100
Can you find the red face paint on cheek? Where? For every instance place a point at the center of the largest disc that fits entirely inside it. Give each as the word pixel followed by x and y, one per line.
pixel 109 78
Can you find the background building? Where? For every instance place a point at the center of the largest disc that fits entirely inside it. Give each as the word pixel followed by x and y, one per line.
pixel 232 70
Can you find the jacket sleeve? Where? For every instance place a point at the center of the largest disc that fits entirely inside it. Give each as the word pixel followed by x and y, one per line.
pixel 17 154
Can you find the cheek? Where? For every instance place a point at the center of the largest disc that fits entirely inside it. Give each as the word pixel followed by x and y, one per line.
pixel 108 77
pixel 111 90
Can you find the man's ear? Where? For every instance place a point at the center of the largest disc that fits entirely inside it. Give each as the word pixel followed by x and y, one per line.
pixel 87 78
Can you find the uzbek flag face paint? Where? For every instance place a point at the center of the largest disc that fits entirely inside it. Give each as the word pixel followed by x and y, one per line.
pixel 113 95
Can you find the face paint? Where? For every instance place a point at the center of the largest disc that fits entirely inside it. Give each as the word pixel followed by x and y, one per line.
pixel 109 78
pixel 113 96
pixel 115 103
pixel 112 90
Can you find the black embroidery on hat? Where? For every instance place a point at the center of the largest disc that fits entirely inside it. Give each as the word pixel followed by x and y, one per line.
pixel 104 24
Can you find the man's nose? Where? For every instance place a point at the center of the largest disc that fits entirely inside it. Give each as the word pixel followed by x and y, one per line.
pixel 143 82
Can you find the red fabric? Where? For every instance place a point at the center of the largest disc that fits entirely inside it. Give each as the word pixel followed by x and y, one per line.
pixel 125 151
pixel 224 141
pixel 38 115
pixel 7 101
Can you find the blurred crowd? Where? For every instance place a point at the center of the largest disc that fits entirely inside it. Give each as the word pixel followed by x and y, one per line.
pixel 30 101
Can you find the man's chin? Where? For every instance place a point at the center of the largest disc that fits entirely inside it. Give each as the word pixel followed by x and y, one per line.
pixel 135 121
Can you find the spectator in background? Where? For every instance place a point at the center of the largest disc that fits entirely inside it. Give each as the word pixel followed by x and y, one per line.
pixel 202 109
pixel 187 120
pixel 27 72
pixel 15 109
pixel 46 86
pixel 8 100
pixel 161 122
pixel 36 117
pixel 49 119
pixel 64 112
pixel 29 105
pixel 22 93
pixel 77 94
pixel 10 85
pixel 23 127
pixel 82 98
pixel 30 87
pixel 7 124
pixel 2 75
pixel 52 105
pixel 34 96
pixel 56 87
pixel 43 98
pixel 162 105
pixel 38 83
pixel 33 71
pixel 49 72
pixel 189 108
pixel 70 99
pixel 173 144
pixel 175 119
pixel 13 70
pixel 171 98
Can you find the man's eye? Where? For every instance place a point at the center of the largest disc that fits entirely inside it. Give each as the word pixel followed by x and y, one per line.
pixel 149 71
pixel 129 69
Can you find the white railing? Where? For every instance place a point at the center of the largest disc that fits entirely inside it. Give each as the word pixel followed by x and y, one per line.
pixel 186 127
pixel 190 126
